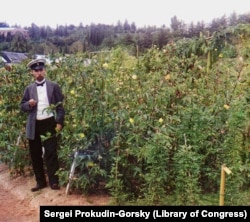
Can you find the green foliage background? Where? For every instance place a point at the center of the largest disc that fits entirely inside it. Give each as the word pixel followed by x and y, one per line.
pixel 175 114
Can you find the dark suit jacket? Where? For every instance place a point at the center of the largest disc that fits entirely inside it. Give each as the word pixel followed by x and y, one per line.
pixel 55 96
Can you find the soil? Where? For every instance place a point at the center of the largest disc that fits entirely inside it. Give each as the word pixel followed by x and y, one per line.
pixel 19 204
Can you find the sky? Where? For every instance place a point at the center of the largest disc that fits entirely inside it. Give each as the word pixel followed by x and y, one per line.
pixel 141 12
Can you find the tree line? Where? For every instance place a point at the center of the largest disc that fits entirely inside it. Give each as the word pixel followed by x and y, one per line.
pixel 70 39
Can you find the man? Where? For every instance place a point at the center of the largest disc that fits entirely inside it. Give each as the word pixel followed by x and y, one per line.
pixel 42 121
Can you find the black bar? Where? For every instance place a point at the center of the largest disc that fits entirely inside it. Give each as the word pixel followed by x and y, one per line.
pixel 144 213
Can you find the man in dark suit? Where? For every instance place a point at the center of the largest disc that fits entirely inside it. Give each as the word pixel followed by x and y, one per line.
pixel 43 121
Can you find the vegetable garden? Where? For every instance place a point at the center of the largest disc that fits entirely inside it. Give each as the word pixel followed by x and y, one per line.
pixel 165 121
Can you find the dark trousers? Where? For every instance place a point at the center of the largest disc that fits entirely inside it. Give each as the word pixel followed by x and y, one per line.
pixel 46 128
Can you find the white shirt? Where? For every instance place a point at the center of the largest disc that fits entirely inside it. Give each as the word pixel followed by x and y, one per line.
pixel 43 103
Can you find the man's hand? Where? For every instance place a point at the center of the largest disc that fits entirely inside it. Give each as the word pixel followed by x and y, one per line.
pixel 32 102
pixel 58 127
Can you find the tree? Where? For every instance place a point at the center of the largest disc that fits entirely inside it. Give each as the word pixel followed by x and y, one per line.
pixel 76 47
pixel 9 37
pixel 218 24
pixel 119 27
pixel 34 32
pixel 233 19
pixel 128 39
pixel 19 43
pixel 175 24
pixel 245 18
pixel 147 40
pixel 126 26
pixel 96 34
pixel 162 38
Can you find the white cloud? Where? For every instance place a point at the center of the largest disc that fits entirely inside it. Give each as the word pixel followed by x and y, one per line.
pixel 147 12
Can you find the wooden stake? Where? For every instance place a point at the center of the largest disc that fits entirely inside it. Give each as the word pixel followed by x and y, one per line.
pixel 222 183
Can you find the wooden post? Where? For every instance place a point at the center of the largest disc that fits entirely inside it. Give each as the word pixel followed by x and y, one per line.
pixel 222 183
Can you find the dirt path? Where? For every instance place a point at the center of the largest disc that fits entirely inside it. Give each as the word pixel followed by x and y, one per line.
pixel 13 209
pixel 19 204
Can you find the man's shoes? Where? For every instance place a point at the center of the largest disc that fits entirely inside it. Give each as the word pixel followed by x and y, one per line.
pixel 38 187
pixel 55 186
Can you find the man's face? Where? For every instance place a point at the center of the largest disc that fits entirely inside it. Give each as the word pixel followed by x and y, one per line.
pixel 39 74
